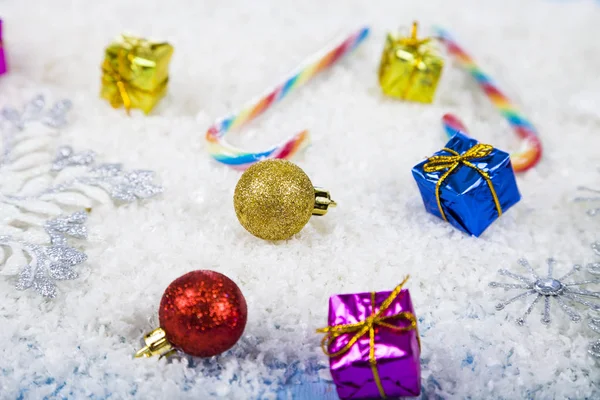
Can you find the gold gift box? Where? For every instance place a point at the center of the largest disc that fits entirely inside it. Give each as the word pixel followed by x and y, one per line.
pixel 135 73
pixel 410 68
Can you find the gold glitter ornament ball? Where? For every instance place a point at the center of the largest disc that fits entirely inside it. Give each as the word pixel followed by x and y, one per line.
pixel 274 199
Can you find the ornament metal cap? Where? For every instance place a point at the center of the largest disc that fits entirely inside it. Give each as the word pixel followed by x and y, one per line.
pixel 274 199
pixel 156 345
pixel 322 202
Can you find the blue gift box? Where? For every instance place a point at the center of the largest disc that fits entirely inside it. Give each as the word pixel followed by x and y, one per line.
pixel 465 195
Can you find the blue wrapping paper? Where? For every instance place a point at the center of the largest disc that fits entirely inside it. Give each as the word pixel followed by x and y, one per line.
pixel 465 196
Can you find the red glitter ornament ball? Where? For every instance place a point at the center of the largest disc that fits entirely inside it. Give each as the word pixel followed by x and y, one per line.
pixel 203 313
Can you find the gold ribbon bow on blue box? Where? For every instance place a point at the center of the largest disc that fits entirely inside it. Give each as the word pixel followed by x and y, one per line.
pixel 467 184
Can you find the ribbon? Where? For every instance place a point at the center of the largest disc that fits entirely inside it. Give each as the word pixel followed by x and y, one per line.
pixel 412 40
pixel 368 326
pixel 111 74
pixel 415 43
pixel 450 163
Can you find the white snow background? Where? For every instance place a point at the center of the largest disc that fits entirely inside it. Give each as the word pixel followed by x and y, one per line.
pixel 544 54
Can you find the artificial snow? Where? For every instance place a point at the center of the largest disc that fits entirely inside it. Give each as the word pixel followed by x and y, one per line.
pixel 544 54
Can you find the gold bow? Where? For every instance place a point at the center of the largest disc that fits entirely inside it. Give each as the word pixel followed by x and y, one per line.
pixel 111 72
pixel 368 326
pixel 414 42
pixel 110 75
pixel 450 163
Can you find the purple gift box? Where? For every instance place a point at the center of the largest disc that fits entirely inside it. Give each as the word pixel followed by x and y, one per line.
pixel 396 348
pixel 2 57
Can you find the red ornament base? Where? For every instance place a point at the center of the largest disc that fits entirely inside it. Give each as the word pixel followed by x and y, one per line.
pixel 203 313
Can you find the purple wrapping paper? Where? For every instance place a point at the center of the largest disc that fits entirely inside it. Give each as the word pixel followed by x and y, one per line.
pixel 2 57
pixel 397 353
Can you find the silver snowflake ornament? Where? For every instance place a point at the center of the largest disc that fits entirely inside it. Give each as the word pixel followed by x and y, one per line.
pixel 35 111
pixel 122 185
pixel 72 225
pixel 66 157
pixel 52 195
pixel 594 324
pixel 594 268
pixel 52 263
pixel 55 261
pixel 548 288
pixel 594 197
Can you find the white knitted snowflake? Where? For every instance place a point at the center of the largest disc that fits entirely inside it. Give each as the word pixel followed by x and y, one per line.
pixel 46 192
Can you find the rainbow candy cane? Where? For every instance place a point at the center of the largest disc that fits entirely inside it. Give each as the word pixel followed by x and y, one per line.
pixel 531 151
pixel 241 159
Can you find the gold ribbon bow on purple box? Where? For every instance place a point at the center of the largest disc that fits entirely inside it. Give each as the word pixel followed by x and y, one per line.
pixel 381 317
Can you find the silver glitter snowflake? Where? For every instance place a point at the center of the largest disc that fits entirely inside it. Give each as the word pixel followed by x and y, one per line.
pixel 593 197
pixel 548 288
pixel 50 262
pixel 594 268
pixel 594 321
pixel 43 196
pixel 594 324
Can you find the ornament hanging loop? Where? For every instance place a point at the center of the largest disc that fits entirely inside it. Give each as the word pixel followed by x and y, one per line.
pixel 413 30
pixel 413 39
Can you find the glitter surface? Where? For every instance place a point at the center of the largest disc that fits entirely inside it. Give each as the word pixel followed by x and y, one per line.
pixel 203 313
pixel 594 324
pixel 274 199
pixel 37 194
pixel 547 288
pixel 54 261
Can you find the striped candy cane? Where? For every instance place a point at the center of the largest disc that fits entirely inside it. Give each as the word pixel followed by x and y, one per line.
pixel 242 159
pixel 531 152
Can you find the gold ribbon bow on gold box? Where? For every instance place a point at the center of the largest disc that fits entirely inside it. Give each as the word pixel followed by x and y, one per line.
pixel 410 67
pixel 450 163
pixel 135 73
pixel 368 326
